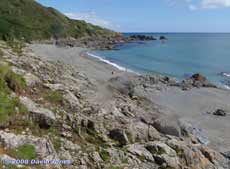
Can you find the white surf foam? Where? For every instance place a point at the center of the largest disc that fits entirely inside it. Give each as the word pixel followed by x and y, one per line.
pixel 111 63
pixel 226 74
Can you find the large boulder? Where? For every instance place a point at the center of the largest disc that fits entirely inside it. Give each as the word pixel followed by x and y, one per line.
pixel 44 117
pixel 140 151
pixel 168 125
pixel 196 80
pixel 72 100
pixel 220 112
pixel 143 132
pixel 120 136
pixel 163 154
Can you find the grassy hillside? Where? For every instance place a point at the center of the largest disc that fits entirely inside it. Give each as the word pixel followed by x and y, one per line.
pixel 29 20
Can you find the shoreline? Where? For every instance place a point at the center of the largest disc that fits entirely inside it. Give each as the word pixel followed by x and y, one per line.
pixel 191 105
pixel 121 68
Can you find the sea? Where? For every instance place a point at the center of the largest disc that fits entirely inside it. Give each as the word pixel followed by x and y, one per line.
pixel 180 56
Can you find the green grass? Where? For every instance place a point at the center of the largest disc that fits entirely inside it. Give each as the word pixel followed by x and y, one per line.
pixel 16 46
pixel 125 160
pixel 54 97
pixel 105 156
pixel 92 137
pixel 7 108
pixel 57 143
pixel 10 80
pixel 142 158
pixel 26 151
pixel 77 130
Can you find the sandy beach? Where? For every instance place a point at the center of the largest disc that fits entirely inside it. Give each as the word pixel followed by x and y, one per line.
pixel 92 67
pixel 192 106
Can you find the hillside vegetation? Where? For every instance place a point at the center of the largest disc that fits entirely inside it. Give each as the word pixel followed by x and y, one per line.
pixel 27 19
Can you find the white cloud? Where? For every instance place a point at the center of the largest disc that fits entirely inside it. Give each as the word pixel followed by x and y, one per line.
pixel 203 4
pixel 91 17
pixel 215 3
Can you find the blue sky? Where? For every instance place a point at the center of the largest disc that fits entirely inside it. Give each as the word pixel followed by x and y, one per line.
pixel 149 15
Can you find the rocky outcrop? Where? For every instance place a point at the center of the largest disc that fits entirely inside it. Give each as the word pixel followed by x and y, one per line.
pixel 196 80
pixel 220 112
pixel 168 125
pixel 44 147
pixel 140 38
pixel 187 129
pixel 163 38
pixel 120 136
pixel 44 117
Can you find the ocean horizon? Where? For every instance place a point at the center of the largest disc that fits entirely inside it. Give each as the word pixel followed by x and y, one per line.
pixel 182 55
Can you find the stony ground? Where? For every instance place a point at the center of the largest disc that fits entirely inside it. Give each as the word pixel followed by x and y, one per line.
pixel 60 113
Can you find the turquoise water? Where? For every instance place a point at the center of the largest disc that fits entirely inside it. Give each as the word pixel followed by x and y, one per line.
pixel 181 55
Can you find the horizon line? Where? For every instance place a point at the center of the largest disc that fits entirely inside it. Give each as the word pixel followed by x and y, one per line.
pixel 174 32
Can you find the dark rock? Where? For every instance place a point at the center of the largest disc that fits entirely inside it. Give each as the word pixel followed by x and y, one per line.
pixel 219 112
pixel 196 80
pixel 198 77
pixel 43 121
pixel 226 154
pixel 163 38
pixel 120 136
pixel 140 38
